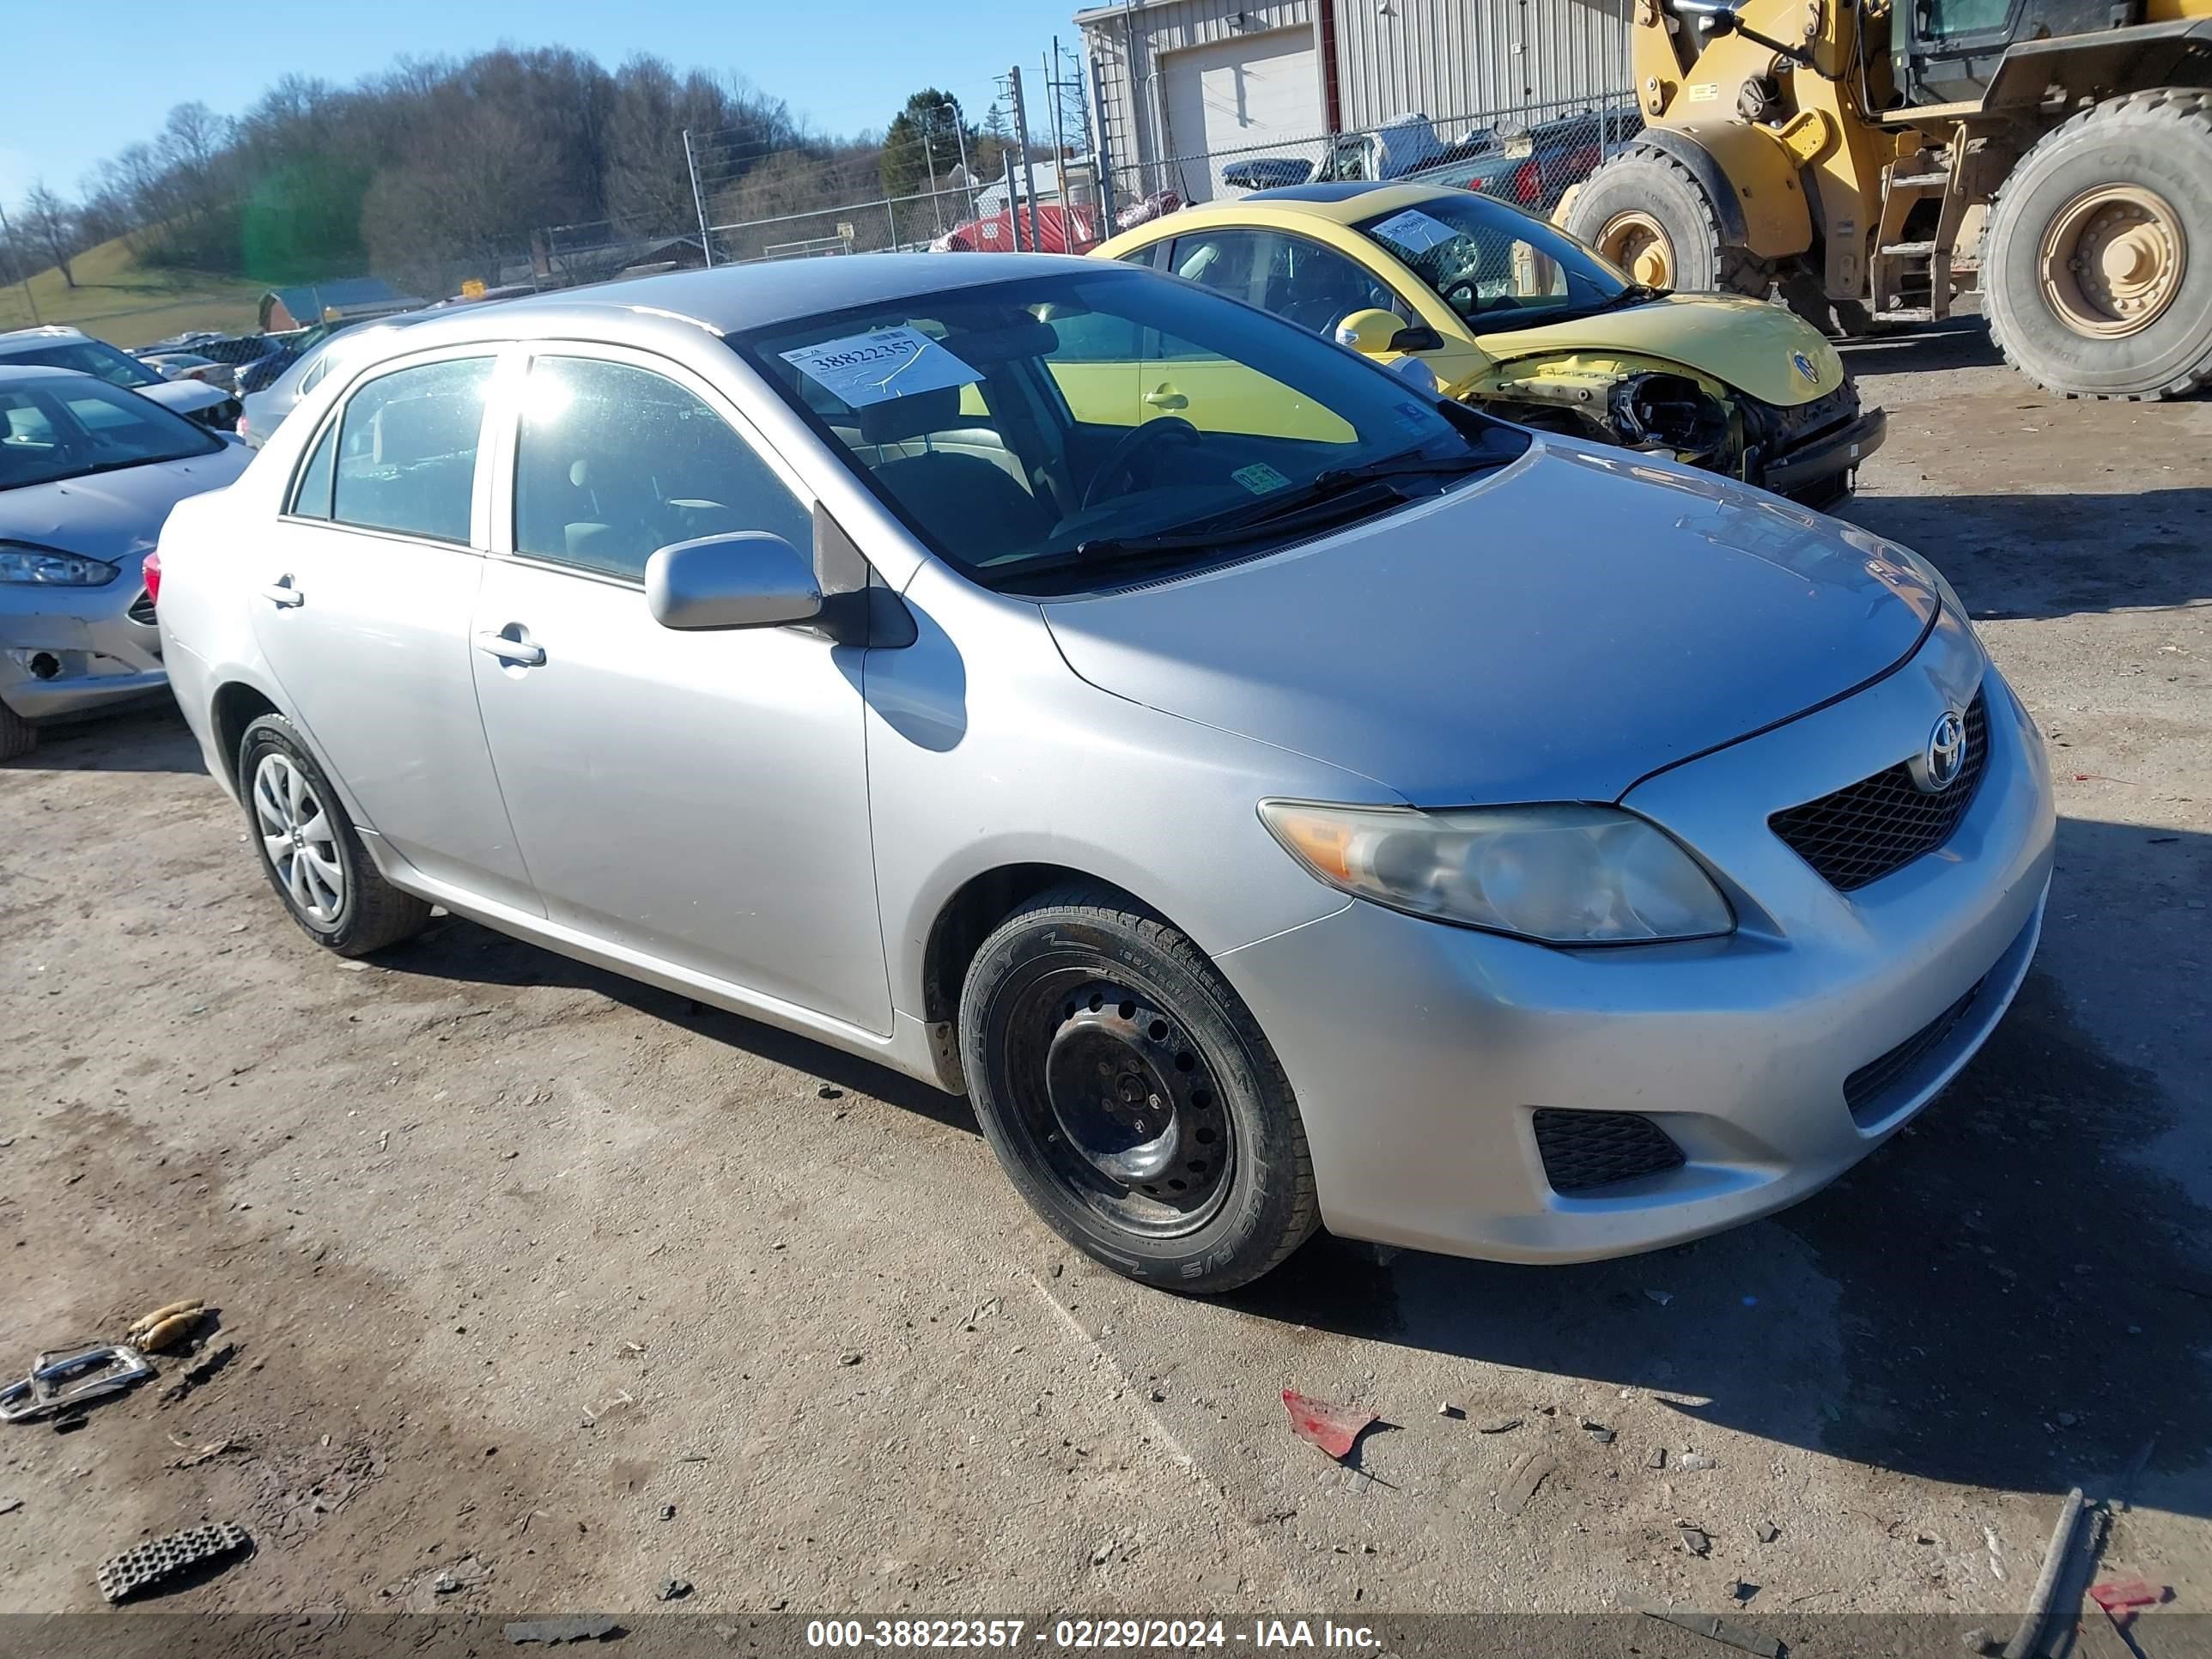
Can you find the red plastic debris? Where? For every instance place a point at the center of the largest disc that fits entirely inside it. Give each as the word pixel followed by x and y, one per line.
pixel 1334 1428
pixel 2120 1599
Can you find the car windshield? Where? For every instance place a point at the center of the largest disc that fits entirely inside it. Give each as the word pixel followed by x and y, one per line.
pixel 88 357
pixel 52 427
pixel 1044 425
pixel 1495 266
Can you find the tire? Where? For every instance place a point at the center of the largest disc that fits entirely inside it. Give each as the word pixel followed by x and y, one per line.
pixel 1212 1186
pixel 1653 184
pixel 2156 144
pixel 354 910
pixel 17 735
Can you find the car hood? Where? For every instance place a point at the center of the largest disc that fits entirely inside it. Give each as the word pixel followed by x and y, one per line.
pixel 184 396
pixel 113 515
pixel 1555 632
pixel 1746 344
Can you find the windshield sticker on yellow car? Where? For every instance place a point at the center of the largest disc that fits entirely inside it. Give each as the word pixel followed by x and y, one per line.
pixel 1414 231
pixel 877 367
pixel 1259 478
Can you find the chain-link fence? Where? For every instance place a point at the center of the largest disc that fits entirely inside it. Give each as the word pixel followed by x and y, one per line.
pixel 1529 155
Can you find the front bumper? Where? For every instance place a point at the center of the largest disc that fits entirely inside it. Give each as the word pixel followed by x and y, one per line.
pixel 1821 468
pixel 1420 1054
pixel 71 650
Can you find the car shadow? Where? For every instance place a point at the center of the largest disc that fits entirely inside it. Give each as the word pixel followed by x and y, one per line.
pixel 1956 343
pixel 2012 1293
pixel 2091 552
pixel 462 952
pixel 148 736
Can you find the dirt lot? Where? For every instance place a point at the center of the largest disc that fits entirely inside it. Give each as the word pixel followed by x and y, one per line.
pixel 518 1255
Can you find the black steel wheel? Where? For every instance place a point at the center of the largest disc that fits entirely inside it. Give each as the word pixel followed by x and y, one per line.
pixel 1130 1096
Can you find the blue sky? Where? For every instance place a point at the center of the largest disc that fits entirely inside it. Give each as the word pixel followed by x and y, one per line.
pixel 107 73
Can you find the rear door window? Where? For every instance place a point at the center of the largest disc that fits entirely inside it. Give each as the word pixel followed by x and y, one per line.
pixel 407 450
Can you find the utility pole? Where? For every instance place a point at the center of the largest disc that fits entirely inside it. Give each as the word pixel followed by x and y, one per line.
pixel 16 258
pixel 1022 137
pixel 698 200
pixel 1058 142
pixel 960 139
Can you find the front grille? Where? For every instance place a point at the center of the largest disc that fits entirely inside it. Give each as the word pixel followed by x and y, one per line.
pixel 142 610
pixel 1791 427
pixel 1866 830
pixel 1872 1092
pixel 1583 1150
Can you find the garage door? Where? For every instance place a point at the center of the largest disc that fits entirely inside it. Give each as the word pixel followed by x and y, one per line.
pixel 1252 90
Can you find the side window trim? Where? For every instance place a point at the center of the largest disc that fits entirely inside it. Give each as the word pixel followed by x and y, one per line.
pixel 509 381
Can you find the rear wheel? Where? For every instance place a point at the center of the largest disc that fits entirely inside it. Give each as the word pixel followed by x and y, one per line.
pixel 17 735
pixel 1131 1097
pixel 1647 214
pixel 2097 271
pixel 309 850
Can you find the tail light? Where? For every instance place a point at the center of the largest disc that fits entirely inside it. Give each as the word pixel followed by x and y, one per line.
pixel 1527 182
pixel 150 573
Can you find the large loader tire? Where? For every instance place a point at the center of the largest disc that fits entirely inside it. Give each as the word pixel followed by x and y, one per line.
pixel 2097 272
pixel 1647 214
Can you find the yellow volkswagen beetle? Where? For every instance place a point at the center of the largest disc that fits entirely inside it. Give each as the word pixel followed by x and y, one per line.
pixel 1503 309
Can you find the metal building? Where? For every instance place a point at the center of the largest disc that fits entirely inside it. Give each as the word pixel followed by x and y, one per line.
pixel 1183 87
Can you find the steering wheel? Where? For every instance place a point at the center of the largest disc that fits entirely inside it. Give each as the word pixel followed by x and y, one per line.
pixel 1463 297
pixel 1120 465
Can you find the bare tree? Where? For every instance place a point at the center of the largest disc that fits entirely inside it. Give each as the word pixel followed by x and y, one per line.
pixel 50 226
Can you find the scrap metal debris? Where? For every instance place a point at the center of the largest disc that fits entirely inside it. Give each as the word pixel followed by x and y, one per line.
pixel 146 1566
pixel 165 1326
pixel 553 1632
pixel 62 1381
pixel 2120 1600
pixel 1718 1630
pixel 2029 1636
pixel 1529 1471
pixel 1334 1428
pixel 1496 1424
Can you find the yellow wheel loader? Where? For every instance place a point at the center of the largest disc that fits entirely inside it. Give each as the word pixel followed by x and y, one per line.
pixel 1871 160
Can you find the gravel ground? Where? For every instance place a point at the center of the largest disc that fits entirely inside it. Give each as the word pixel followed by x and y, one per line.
pixel 517 1255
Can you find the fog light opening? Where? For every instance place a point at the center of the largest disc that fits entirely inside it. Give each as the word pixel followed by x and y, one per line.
pixel 44 665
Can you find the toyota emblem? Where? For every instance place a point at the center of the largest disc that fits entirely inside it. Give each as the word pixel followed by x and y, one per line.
pixel 1946 755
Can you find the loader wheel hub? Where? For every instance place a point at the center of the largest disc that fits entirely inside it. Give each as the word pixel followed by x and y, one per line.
pixel 2112 260
pixel 1636 243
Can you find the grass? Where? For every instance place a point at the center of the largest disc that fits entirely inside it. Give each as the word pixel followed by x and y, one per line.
pixel 121 301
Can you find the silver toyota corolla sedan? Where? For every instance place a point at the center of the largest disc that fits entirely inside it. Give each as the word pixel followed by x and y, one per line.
pixel 87 472
pixel 1276 799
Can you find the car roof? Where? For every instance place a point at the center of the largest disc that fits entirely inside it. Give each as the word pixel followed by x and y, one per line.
pixel 25 339
pixel 1344 202
pixel 14 372
pixel 728 298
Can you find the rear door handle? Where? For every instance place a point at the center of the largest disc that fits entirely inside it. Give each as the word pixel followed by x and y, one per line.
pixel 282 593
pixel 522 653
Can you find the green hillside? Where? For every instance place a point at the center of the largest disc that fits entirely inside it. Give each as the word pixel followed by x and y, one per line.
pixel 120 300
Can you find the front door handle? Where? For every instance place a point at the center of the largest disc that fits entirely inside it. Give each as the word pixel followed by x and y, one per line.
pixel 1166 396
pixel 521 652
pixel 282 594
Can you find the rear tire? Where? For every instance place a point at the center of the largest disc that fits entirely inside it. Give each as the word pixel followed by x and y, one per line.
pixel 1130 1096
pixel 17 735
pixel 2097 270
pixel 1647 214
pixel 310 852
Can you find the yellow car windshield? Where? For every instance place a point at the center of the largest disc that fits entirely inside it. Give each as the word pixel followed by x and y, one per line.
pixel 1496 267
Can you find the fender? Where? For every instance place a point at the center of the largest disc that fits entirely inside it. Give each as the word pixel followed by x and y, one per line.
pixel 1750 179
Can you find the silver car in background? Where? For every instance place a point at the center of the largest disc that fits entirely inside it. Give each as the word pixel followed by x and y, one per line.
pixel 1276 799
pixel 87 472
pixel 56 346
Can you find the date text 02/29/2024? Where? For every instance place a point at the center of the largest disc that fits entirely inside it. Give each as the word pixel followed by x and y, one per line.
pixel 1087 1635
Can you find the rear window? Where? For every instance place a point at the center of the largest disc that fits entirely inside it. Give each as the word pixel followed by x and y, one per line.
pixel 407 450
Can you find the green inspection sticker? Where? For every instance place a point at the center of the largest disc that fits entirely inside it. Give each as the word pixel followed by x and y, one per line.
pixel 1259 478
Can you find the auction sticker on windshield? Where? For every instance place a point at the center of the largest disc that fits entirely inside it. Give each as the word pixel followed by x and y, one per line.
pixel 1413 230
pixel 1259 478
pixel 877 367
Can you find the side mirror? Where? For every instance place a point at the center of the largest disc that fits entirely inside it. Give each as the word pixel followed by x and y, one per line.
pixel 1376 333
pixel 747 579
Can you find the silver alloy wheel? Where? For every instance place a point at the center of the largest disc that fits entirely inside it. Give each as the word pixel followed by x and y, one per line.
pixel 299 841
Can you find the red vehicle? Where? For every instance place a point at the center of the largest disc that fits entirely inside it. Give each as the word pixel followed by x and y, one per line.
pixel 1047 227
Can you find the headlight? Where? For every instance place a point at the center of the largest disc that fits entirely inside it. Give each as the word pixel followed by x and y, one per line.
pixel 43 566
pixel 1564 875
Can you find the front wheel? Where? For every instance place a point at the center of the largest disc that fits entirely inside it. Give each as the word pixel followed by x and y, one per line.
pixel 2097 270
pixel 309 850
pixel 17 735
pixel 1131 1097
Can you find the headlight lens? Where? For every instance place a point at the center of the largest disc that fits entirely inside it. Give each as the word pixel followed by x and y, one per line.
pixel 1564 875
pixel 43 566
